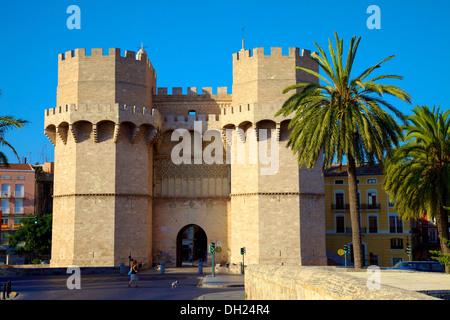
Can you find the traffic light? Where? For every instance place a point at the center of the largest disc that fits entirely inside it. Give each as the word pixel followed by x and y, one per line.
pixel 346 249
pixel 212 247
pixel 408 249
pixel 35 219
pixel 243 250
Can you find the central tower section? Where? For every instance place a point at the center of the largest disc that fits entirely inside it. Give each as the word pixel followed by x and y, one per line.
pixel 103 130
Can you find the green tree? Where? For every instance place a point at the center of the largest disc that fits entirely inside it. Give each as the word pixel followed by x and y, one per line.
pixel 343 118
pixel 33 238
pixel 6 124
pixel 443 258
pixel 417 173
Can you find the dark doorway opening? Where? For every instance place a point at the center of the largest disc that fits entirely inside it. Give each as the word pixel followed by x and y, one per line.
pixel 191 246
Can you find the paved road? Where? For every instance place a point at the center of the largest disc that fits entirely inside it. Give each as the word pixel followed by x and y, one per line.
pixel 410 280
pixel 151 286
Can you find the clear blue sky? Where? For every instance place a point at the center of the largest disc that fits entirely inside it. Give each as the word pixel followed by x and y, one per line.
pixel 190 43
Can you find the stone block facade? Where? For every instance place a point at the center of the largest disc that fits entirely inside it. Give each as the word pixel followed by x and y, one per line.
pixel 118 192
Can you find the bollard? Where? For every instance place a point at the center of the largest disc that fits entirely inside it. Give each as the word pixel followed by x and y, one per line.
pixel 8 289
pixel 122 268
pixel 163 267
pixel 200 267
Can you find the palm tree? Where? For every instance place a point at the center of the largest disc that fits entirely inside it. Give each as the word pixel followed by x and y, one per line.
pixel 417 173
pixel 343 117
pixel 7 123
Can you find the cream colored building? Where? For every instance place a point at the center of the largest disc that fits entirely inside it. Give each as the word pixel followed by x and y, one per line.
pixel 118 192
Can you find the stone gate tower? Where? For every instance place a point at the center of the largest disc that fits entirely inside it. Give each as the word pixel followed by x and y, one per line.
pixel 117 192
pixel 102 131
pixel 277 215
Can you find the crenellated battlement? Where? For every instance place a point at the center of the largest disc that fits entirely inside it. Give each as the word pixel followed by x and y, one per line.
pixel 88 76
pixel 98 112
pixel 100 52
pixel 60 120
pixel 251 113
pixel 101 108
pixel 274 51
pixel 192 91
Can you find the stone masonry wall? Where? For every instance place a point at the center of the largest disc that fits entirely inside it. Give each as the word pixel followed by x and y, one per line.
pixel 316 283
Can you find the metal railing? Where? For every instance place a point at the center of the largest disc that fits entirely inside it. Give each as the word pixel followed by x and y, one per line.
pixel 349 230
pixel 375 206
pixel 363 206
pixel 340 206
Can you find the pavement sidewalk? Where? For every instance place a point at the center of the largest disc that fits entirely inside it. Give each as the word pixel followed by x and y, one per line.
pixel 223 281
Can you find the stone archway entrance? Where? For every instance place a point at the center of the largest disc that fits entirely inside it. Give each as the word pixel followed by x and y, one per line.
pixel 191 246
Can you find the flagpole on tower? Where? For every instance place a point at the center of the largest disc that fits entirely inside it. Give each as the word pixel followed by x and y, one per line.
pixel 243 38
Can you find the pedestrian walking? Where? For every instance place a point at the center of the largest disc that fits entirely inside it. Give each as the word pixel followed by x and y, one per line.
pixel 133 274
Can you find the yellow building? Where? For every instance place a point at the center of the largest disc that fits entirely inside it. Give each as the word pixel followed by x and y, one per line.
pixel 383 234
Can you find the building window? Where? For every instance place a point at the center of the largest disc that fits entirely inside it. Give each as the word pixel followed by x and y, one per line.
pixel 372 200
pixel 20 177
pixel 18 206
pixel 193 115
pixel 4 240
pixel 395 224
pixel 373 224
pixel 5 206
pixel 396 243
pixel 339 200
pixel 390 203
pixel 6 191
pixel 20 191
pixel 340 224
pixel 373 259
pixel 340 181
pixel 6 177
pixel 432 235
pixel 371 180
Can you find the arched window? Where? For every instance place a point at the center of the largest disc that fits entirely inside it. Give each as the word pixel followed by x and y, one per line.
pixel 193 115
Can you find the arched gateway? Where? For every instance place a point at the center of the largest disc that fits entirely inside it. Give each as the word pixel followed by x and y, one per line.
pixel 191 245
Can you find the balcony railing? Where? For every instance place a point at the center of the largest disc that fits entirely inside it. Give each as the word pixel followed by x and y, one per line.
pixel 340 207
pixel 11 227
pixel 363 206
pixel 349 230
pixel 366 206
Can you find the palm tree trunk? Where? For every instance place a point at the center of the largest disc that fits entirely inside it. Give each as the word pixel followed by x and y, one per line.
pixel 354 212
pixel 442 226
